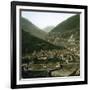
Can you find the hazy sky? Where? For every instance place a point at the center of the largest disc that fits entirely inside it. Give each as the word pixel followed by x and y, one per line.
pixel 44 19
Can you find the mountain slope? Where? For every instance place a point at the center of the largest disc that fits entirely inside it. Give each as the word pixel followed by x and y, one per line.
pixel 31 43
pixel 69 24
pixel 32 29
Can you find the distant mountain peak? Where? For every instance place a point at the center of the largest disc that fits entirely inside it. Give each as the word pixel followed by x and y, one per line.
pixel 48 28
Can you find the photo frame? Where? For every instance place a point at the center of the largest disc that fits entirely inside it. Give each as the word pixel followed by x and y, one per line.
pixel 48 44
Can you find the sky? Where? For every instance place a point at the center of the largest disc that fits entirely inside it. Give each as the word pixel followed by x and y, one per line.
pixel 44 19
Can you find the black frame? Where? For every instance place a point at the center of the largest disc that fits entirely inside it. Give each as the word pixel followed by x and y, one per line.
pixel 13 44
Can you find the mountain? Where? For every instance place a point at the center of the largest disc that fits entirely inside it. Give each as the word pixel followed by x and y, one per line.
pixel 71 23
pixel 31 43
pixel 48 28
pixel 66 32
pixel 32 29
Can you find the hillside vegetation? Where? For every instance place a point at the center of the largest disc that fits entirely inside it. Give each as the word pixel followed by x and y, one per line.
pixel 70 24
pixel 31 43
pixel 32 29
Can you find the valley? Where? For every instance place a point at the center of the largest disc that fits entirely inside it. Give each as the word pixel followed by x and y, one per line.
pixel 55 53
